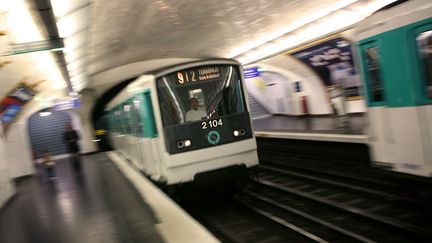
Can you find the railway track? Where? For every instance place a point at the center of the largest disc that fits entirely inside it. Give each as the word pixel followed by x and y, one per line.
pixel 284 206
pixel 233 220
pixel 387 213
pixel 305 197
pixel 343 162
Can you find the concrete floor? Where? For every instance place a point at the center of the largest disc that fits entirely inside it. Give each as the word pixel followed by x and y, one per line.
pixel 99 205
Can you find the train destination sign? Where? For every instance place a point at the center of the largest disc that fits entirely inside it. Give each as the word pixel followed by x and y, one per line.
pixel 196 75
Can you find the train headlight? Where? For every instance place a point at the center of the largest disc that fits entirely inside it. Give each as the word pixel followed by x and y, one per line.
pixel 184 143
pixel 180 144
pixel 239 132
pixel 236 133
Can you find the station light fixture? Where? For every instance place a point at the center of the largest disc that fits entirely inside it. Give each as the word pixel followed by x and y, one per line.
pixel 44 113
pixel 73 19
pixel 23 30
pixel 57 49
pixel 336 18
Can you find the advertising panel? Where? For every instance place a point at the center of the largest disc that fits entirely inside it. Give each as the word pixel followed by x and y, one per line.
pixel 332 61
pixel 13 103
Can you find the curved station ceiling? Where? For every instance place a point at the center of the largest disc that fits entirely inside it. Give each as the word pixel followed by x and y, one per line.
pixel 104 39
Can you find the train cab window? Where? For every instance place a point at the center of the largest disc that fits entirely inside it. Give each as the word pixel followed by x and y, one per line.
pixel 373 73
pixel 424 45
pixel 211 91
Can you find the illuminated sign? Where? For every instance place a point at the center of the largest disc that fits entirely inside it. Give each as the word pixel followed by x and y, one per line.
pixel 251 72
pixel 66 103
pixel 202 74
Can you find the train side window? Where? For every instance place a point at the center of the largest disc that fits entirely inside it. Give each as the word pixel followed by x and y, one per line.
pixel 372 67
pixel 118 120
pixel 424 45
pixel 135 117
pixel 127 118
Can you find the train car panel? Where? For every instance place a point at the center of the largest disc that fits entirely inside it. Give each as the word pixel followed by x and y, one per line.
pixel 395 51
pixel 377 134
pixel 426 112
pixel 405 141
pixel 208 154
pixel 183 173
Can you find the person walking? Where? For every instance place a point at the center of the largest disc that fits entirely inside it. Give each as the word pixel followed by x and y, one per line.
pixel 71 138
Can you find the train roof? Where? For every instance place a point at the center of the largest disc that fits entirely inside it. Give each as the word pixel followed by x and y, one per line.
pixel 393 17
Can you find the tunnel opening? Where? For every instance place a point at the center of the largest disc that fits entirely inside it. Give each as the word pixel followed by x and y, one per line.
pixel 46 128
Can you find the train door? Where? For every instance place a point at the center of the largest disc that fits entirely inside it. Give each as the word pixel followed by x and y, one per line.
pixel 150 133
pixel 118 127
pixel 127 130
pixel 380 131
pixel 423 43
pixel 134 134
pixel 138 129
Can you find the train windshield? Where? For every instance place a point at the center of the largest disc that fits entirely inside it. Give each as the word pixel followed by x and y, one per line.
pixel 200 93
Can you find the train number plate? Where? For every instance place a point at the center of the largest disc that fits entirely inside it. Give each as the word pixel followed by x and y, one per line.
pixel 211 124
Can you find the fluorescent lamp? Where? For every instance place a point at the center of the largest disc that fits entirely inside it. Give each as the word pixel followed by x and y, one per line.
pixel 45 113
pixel 57 49
pixel 21 26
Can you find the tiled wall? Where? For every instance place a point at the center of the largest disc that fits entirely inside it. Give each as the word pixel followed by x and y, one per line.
pixel 19 158
pixel 7 188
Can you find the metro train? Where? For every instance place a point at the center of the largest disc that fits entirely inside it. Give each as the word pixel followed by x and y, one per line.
pixel 394 50
pixel 152 126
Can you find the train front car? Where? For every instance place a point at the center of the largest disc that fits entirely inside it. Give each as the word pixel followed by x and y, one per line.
pixel 206 134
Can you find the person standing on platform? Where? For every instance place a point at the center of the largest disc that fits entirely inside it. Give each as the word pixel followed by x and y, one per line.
pixel 49 165
pixel 338 101
pixel 71 138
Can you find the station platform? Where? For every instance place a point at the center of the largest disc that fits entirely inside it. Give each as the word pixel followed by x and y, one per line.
pixel 319 128
pixel 108 202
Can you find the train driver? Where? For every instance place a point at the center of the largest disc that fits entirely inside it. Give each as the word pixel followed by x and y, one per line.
pixel 195 113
